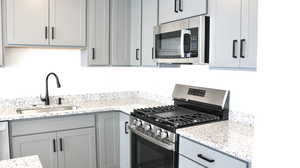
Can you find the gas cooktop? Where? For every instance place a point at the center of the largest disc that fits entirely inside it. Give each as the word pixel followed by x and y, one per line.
pixel 174 117
pixel 192 106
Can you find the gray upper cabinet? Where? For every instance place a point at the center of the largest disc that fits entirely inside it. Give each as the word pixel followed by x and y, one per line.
pixel 171 10
pixel 97 52
pixel 149 20
pixel 68 22
pixel 1 42
pixel 45 22
pixel 27 22
pixel 233 33
pixel 135 32
pixel 120 32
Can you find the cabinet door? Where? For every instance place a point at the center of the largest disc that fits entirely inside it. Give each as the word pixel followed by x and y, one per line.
pixel 77 148
pixel 149 20
pixel 187 163
pixel 135 32
pixel 120 32
pixel 190 8
pixel 68 23
pixel 1 44
pixel 248 44
pixel 27 22
pixel 168 10
pixel 124 141
pixel 97 52
pixel 107 140
pixel 225 33
pixel 43 145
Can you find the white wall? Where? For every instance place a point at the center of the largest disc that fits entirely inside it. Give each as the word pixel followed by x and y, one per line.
pixel 26 68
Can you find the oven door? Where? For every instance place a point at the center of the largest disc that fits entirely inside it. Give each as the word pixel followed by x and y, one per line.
pixel 146 154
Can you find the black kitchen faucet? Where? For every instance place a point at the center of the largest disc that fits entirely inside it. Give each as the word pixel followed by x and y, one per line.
pixel 47 99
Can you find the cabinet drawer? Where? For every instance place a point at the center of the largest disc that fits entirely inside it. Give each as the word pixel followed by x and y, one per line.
pixel 208 157
pixel 25 127
pixel 187 163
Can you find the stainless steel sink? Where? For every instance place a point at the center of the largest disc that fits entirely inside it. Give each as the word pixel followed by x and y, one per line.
pixel 45 109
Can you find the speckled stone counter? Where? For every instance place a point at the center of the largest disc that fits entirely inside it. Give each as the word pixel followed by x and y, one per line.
pixel 87 103
pixel 234 137
pixel 24 162
pixel 231 137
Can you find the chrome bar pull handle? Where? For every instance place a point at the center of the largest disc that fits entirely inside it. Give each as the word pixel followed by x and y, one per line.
pixel 234 48
pixel 243 42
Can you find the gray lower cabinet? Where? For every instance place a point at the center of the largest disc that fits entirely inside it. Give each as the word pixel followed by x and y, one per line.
pixel 187 163
pixel 65 149
pixel 207 157
pixel 60 142
pixel 108 139
pixel 76 148
pixel 124 141
pixel 97 52
pixel 43 145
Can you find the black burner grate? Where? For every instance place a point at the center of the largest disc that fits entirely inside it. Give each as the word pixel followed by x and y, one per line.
pixel 174 116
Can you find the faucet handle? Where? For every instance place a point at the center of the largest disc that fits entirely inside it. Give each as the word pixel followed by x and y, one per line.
pixel 60 101
pixel 42 99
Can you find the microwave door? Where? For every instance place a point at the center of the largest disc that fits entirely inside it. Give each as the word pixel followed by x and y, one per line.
pixel 185 47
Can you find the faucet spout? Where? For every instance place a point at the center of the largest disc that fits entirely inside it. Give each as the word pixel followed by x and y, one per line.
pixel 47 99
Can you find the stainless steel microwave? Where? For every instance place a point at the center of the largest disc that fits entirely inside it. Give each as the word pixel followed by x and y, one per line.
pixel 182 42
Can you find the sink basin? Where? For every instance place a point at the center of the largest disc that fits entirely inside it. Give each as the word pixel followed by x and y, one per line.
pixel 45 109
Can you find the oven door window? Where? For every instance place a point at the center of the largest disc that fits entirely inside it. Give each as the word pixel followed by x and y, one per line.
pixel 146 154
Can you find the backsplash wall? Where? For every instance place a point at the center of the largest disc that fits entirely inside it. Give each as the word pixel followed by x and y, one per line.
pixel 26 69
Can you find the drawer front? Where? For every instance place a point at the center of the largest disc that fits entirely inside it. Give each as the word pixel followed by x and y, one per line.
pixel 35 126
pixel 208 157
pixel 187 163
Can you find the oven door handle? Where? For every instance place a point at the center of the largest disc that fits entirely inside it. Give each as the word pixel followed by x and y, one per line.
pixel 170 147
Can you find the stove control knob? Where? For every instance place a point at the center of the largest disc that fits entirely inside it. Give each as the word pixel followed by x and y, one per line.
pixel 139 123
pixel 158 132
pixel 148 127
pixel 134 122
pixel 164 135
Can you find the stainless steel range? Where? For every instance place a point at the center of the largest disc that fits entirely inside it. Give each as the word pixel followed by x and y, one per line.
pixel 154 139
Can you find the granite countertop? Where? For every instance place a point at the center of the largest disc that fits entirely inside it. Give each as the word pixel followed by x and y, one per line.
pixel 24 162
pixel 95 103
pixel 234 137
pixel 231 137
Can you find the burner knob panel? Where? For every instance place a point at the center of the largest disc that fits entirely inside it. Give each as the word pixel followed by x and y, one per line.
pixel 164 135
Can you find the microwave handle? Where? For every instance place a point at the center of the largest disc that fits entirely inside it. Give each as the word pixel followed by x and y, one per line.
pixel 183 41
